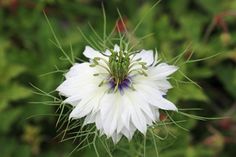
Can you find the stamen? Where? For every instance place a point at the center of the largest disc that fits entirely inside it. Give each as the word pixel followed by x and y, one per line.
pixel 96 63
pixel 120 68
pixel 138 63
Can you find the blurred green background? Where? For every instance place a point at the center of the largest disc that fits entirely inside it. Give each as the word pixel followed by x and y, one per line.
pixel 201 28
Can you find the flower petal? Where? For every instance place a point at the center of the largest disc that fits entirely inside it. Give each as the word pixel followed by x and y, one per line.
pixel 110 111
pixel 141 104
pixel 116 138
pixel 116 48
pixel 146 56
pixel 91 118
pixel 136 115
pixel 90 53
pixel 88 105
pixel 128 133
pixel 162 70
pixel 153 97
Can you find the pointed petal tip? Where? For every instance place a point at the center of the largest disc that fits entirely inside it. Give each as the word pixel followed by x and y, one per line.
pixel 175 68
pixel 172 69
pixel 146 56
pixel 90 53
pixel 143 130
pixel 174 109
pixel 116 48
pixel 59 88
pixel 86 50
pixel 72 116
pixel 116 138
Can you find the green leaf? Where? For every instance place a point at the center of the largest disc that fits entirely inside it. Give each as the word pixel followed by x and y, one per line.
pixel 10 71
pixel 7 146
pixel 22 151
pixel 14 92
pixel 190 28
pixel 17 91
pixel 203 72
pixel 187 91
pixel 3 104
pixel 212 6
pixel 227 75
pixel 8 117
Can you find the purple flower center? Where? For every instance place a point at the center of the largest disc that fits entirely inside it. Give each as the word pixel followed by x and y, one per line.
pixel 122 85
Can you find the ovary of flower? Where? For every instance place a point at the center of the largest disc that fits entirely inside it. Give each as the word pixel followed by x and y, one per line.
pixel 120 92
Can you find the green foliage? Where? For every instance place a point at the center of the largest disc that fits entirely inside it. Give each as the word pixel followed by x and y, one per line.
pixel 11 91
pixel 185 33
pixel 227 75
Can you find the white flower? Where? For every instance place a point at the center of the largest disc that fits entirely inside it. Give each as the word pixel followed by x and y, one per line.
pixel 118 91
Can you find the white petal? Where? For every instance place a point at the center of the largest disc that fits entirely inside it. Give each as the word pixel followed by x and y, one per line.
pixel 76 87
pixel 166 105
pixel 110 111
pixel 128 133
pixel 78 76
pixel 116 48
pixel 87 105
pixel 141 104
pixel 90 119
pixel 163 84
pixel 126 112
pixel 80 82
pixel 81 110
pixel 107 52
pixel 98 121
pixel 146 56
pixel 139 121
pixel 162 70
pixel 78 70
pixel 116 137
pixel 157 113
pixel 153 97
pixel 137 117
pixel 161 103
pixel 89 52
